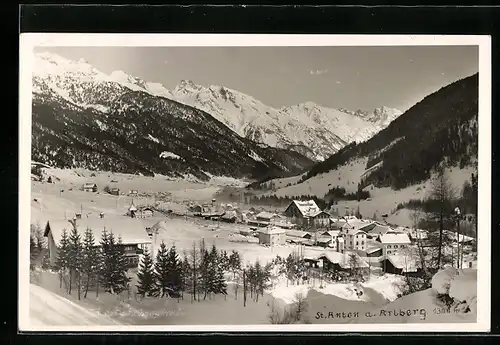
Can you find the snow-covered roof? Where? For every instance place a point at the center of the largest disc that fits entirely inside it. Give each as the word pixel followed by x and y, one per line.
pixel 297 233
pixel 372 250
pixel 307 208
pixel 380 229
pixel 342 259
pixel 315 214
pixel 355 224
pixel 272 230
pixel 324 239
pixel 394 238
pixel 266 215
pixel 355 231
pixel 89 185
pixel 453 236
pixel 132 207
pixel 333 233
pixel 403 262
pixel 131 230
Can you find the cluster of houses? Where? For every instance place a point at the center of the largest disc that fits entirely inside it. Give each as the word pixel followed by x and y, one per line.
pixel 375 242
pixel 302 223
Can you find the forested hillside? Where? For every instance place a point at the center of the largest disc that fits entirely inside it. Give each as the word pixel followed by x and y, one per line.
pixel 440 128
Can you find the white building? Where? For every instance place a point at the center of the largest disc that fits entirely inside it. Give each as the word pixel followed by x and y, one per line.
pixel 272 236
pixel 393 243
pixel 355 239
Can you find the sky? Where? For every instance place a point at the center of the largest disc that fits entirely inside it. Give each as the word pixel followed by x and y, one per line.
pixel 337 77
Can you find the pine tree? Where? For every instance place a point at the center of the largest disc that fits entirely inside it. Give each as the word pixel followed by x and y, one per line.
pixel 194 265
pixel 207 274
pixel 75 258
pixel 90 259
pixel 257 277
pixel 105 269
pixel 162 272
pixel 61 264
pixel 174 273
pixel 203 268
pixel 224 259
pixel 235 262
pixel 120 279
pixel 220 285
pixel 146 278
pixel 185 276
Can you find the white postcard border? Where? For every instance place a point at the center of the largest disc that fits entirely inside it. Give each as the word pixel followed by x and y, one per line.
pixel 30 40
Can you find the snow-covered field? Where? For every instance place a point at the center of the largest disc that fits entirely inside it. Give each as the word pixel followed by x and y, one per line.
pixel 420 307
pixel 386 288
pixel 51 202
pixel 50 309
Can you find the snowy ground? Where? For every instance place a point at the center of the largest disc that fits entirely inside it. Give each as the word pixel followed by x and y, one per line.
pixel 52 203
pixel 50 309
pixel 420 307
pixel 379 289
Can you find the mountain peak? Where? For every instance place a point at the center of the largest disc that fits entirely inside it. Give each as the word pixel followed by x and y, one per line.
pixel 187 86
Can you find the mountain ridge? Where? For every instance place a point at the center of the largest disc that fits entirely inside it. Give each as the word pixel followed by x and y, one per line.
pixel 91 122
pixel 296 126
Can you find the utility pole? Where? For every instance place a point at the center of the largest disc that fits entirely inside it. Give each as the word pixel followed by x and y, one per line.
pixel 457 213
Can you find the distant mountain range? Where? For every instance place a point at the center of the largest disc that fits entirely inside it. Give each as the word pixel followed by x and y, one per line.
pixel 307 128
pixel 84 118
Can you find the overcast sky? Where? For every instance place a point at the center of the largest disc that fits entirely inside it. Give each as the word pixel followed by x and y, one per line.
pixel 337 77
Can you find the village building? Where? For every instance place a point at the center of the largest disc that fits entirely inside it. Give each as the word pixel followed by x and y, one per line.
pixel 144 212
pixel 400 264
pixel 337 224
pixel 263 219
pixel 320 219
pixel 373 248
pixel 229 217
pixel 214 215
pixel 334 235
pixel 325 241
pixel 132 233
pixel 335 261
pixel 114 191
pixel 462 239
pixel 355 239
pixel 248 232
pixel 133 192
pixel 375 229
pixel 272 236
pixel 89 187
pixel 302 211
pixel 299 237
pixel 393 243
pixel 196 210
pixel 298 233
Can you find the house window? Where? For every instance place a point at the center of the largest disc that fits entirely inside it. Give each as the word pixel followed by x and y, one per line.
pixel 395 246
pixel 362 243
pixel 389 252
pixel 388 246
pixel 357 243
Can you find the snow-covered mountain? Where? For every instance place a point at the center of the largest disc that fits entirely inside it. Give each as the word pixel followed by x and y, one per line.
pixel 315 130
pixel 83 118
pixel 310 129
